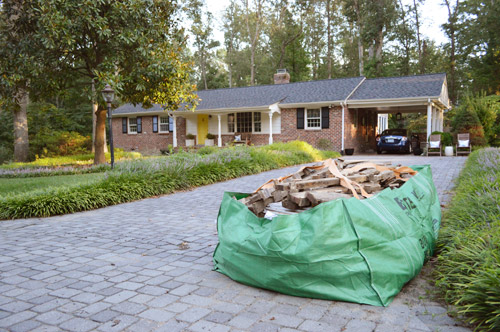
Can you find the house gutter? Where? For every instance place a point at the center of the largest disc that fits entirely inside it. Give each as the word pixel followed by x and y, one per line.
pixel 344 105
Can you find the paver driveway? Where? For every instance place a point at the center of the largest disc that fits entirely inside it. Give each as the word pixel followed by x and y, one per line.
pixel 147 266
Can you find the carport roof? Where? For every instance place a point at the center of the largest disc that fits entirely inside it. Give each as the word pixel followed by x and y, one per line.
pixel 323 91
pixel 429 85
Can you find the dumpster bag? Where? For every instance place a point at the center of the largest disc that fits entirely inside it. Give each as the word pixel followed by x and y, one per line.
pixel 361 251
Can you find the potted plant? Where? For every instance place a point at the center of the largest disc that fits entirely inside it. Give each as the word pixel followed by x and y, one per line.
pixel 190 140
pixel 210 140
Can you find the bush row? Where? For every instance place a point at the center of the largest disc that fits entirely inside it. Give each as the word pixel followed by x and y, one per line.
pixel 468 269
pixel 137 179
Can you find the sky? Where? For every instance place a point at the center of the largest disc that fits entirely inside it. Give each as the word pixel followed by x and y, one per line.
pixel 432 15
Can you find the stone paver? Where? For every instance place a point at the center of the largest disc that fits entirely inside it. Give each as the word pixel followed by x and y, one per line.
pixel 147 266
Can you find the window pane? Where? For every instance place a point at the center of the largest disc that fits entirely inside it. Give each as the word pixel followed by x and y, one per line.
pixel 132 125
pixel 244 122
pixel 230 123
pixel 164 124
pixel 257 127
pixel 313 118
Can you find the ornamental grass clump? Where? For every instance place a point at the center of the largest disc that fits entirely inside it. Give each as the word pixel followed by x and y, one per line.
pixel 468 269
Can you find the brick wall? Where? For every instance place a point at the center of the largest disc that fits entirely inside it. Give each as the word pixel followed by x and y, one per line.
pixel 360 130
pixel 289 131
pixel 361 136
pixel 147 141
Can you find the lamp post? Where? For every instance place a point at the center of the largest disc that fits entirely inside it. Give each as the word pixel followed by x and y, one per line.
pixel 109 94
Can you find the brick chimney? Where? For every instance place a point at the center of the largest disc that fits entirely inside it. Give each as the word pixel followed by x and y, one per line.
pixel 281 77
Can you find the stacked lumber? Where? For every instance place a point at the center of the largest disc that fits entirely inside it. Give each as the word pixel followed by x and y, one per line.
pixel 332 179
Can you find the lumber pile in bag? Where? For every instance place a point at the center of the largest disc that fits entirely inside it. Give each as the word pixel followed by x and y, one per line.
pixel 332 179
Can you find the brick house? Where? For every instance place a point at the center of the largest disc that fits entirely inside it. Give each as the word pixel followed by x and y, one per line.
pixel 344 111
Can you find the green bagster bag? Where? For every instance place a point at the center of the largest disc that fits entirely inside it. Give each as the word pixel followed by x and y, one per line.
pixel 361 251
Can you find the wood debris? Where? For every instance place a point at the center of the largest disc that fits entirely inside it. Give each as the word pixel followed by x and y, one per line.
pixel 332 179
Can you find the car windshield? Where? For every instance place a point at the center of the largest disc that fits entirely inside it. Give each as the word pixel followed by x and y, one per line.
pixel 397 132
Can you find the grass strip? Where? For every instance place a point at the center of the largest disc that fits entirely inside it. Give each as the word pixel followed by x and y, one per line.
pixel 468 269
pixel 137 179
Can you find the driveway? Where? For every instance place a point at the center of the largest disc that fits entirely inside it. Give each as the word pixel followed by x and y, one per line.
pixel 147 266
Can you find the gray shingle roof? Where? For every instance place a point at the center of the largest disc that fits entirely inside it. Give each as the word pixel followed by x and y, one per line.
pixel 400 87
pixel 265 95
pixel 312 91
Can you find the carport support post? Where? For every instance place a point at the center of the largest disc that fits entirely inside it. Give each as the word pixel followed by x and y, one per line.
pixel 175 132
pixel 270 127
pixel 219 133
pixel 429 119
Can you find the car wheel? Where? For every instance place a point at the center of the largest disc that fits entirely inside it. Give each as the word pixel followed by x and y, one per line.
pixel 379 151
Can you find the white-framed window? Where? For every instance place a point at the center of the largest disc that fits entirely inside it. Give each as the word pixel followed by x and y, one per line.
pixel 132 125
pixel 164 124
pixel 230 123
pixel 313 118
pixel 257 122
pixel 244 122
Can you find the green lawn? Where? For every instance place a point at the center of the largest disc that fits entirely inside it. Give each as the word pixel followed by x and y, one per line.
pixel 15 186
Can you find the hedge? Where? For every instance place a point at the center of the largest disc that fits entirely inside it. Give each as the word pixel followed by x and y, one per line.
pixel 137 179
pixel 468 269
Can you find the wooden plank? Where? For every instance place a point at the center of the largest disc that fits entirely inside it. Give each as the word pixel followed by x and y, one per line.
pixel 289 204
pixel 300 199
pixel 358 178
pixel 279 195
pixel 318 183
pixel 317 197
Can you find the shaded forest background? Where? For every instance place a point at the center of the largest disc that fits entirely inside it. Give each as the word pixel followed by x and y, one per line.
pixel 312 39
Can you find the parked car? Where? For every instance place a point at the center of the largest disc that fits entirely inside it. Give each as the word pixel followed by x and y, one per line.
pixel 394 140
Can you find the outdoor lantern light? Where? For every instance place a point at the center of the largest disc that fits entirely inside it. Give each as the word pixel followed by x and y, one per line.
pixel 399 116
pixel 109 94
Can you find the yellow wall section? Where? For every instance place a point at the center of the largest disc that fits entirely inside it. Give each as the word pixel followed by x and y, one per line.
pixel 202 128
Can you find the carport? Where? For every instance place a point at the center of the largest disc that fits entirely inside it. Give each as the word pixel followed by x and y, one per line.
pixel 425 94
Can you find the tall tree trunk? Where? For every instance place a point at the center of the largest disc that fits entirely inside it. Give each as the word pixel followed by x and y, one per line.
pixel 21 140
pixel 100 139
pixel 254 39
pixel 420 62
pixel 361 49
pixel 95 132
pixel 379 43
pixel 452 21
pixel 361 52
pixel 329 36
pixel 94 112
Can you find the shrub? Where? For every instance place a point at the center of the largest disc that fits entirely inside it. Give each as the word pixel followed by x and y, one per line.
pixel 446 138
pixel 210 136
pixel 207 150
pixel 190 136
pixel 468 269
pixel 47 143
pixel 324 144
pixel 136 179
pixel 466 120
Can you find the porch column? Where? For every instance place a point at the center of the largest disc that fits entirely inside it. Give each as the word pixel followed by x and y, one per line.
pixel 441 120
pixel 175 132
pixel 429 119
pixel 219 132
pixel 271 127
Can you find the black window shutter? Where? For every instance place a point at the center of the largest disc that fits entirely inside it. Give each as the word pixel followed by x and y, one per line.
pixel 155 124
pixel 139 124
pixel 300 118
pixel 325 117
pixel 124 125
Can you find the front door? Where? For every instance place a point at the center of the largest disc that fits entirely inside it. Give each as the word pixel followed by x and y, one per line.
pixel 202 128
